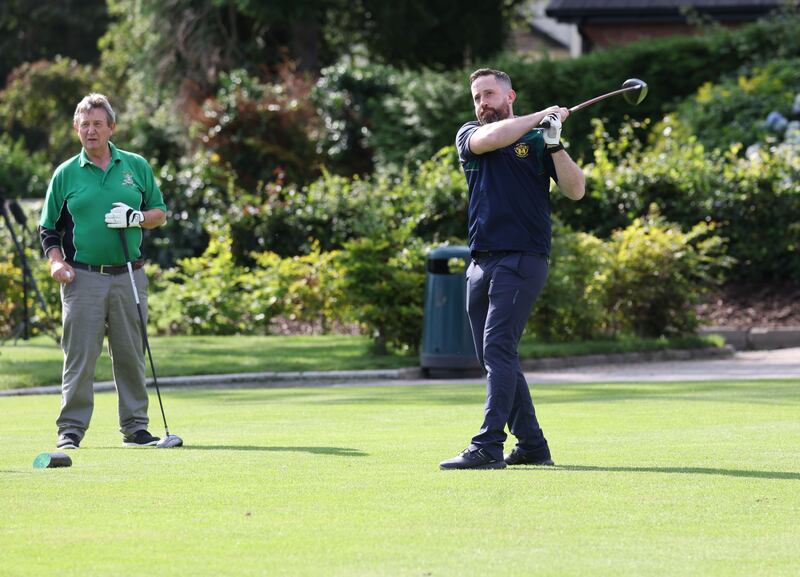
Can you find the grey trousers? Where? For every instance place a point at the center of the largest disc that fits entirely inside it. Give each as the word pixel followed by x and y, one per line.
pixel 91 306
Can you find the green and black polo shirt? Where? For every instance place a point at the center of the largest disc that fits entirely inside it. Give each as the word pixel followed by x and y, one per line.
pixel 78 198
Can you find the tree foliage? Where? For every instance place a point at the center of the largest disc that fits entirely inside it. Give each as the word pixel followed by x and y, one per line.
pixel 32 30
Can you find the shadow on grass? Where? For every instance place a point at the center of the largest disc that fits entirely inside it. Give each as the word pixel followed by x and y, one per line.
pixel 335 451
pixel 681 470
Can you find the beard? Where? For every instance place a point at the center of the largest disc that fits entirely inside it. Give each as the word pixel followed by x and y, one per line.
pixel 494 114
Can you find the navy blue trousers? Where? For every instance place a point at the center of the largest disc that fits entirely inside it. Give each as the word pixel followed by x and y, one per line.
pixel 501 291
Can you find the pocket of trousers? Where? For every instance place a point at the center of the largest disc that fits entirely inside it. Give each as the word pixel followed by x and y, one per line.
pixel 529 265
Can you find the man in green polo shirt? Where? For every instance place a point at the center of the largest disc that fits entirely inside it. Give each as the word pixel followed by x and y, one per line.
pixel 90 196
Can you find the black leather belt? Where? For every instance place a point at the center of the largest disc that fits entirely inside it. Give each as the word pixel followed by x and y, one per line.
pixel 108 269
pixel 481 254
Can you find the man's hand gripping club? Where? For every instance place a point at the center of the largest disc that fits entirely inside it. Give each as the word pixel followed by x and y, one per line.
pixel 123 216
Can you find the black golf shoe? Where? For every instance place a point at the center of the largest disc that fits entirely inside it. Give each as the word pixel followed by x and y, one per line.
pixel 473 458
pixel 68 441
pixel 140 438
pixel 520 456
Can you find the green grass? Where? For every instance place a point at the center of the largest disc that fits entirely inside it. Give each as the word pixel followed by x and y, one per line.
pixel 659 479
pixel 38 362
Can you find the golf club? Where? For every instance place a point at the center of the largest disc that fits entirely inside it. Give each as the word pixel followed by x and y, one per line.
pixel 168 441
pixel 633 91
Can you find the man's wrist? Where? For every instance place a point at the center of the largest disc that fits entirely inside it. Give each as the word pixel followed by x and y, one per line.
pixel 553 148
pixel 56 256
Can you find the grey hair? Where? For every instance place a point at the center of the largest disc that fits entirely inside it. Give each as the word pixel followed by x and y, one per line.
pixel 95 100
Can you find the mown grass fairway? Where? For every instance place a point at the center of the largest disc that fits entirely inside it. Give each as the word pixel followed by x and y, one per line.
pixel 658 479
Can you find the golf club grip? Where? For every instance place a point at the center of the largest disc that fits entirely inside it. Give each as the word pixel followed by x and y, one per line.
pixel 122 240
pixel 546 123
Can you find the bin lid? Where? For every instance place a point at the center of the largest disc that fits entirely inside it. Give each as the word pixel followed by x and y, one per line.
pixel 448 252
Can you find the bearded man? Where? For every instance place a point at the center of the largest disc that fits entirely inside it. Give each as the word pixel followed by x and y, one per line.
pixel 508 162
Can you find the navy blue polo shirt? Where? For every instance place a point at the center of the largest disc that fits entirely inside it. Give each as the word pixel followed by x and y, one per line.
pixel 509 193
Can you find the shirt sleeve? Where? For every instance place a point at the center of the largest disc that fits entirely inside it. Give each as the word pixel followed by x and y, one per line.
pixel 462 140
pixel 51 212
pixel 53 202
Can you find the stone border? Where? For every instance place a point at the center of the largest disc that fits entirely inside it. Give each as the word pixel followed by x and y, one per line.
pixel 756 338
pixel 306 378
pixel 626 358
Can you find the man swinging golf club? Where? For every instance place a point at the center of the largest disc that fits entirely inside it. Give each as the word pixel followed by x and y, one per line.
pixel 508 163
pixel 90 197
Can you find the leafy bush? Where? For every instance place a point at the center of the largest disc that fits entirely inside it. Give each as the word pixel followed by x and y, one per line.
pixel 202 295
pixel 734 109
pixel 757 213
pixel 625 179
pixel 657 273
pixel 22 174
pixel 302 289
pixel 211 294
pixel 571 305
pixel 752 199
pixel 198 191
pixel 378 112
pixel 10 295
pixel 346 96
pixel 38 103
pixel 262 130
pixel 383 284
pixel 11 292
pixel 644 281
pixel 431 198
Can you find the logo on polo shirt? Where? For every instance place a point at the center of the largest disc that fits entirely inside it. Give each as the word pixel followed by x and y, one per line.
pixel 521 149
pixel 127 179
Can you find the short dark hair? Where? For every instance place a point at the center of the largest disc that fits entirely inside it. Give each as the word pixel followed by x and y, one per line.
pixel 498 74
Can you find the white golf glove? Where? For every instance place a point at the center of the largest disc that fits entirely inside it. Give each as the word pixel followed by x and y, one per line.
pixel 123 216
pixel 552 134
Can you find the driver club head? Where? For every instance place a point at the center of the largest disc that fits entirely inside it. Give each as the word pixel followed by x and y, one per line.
pixel 634 97
pixel 169 442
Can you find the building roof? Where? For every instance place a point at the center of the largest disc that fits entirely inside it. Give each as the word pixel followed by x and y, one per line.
pixel 650 10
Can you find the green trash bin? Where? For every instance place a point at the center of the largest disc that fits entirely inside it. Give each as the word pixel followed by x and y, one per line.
pixel 447 343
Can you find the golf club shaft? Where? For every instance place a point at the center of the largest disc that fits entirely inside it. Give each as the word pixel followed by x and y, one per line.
pixel 145 341
pixel 603 97
pixel 546 124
